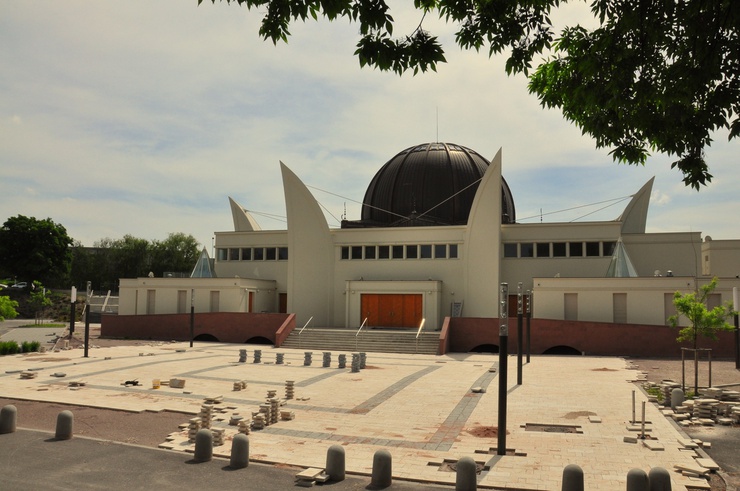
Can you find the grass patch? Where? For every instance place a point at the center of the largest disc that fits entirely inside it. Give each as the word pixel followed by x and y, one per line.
pixel 47 324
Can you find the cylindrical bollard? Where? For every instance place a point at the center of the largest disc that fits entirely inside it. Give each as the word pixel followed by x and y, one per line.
pixel 8 418
pixel 660 479
pixel 65 425
pixel 335 463
pixel 466 477
pixel 572 478
pixel 203 445
pixel 676 398
pixel 239 451
pixel 382 469
pixel 637 480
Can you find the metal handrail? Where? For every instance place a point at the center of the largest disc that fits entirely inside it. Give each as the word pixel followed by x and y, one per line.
pixel 361 326
pixel 301 331
pixel 421 326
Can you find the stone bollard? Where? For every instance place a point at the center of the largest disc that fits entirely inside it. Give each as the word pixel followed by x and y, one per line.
pixel 65 425
pixel 307 358
pixel 676 398
pixel 572 478
pixel 355 363
pixel 382 469
pixel 279 358
pixel 203 445
pixel 342 361
pixel 242 356
pixel 8 418
pixel 363 360
pixel 637 480
pixel 335 463
pixel 239 452
pixel 258 356
pixel 326 362
pixel 466 477
pixel 660 479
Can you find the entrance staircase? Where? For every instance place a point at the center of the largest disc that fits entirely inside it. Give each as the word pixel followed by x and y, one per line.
pixel 368 340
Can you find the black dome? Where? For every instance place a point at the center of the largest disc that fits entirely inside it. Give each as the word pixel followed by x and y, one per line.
pixel 428 184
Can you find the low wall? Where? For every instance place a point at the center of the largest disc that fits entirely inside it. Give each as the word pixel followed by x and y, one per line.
pixel 227 327
pixel 590 338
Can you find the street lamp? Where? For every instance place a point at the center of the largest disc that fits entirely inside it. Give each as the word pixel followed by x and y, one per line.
pixel 735 307
pixel 519 336
pixel 88 293
pixel 503 353
pixel 192 316
pixel 73 299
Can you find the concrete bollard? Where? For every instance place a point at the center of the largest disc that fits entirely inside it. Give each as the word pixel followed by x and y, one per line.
pixel 637 480
pixel 382 469
pixel 466 478
pixel 8 418
pixel 203 445
pixel 660 479
pixel 65 425
pixel 239 452
pixel 335 463
pixel 676 398
pixel 572 478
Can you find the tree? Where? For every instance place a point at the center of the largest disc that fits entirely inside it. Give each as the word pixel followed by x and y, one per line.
pixel 39 299
pixel 702 321
pixel 177 253
pixel 656 76
pixel 7 308
pixel 32 249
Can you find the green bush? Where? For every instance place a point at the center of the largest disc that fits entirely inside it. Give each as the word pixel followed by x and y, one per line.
pixel 9 348
pixel 30 346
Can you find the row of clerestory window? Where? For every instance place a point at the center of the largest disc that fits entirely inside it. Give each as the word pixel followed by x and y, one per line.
pixel 252 254
pixel 400 251
pixel 559 249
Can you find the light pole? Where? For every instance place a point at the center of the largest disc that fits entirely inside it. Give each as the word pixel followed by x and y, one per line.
pixel 192 316
pixel 735 306
pixel 503 353
pixel 529 322
pixel 519 335
pixel 87 317
pixel 73 299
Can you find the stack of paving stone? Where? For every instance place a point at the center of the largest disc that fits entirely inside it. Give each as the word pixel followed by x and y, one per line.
pixel 28 374
pixel 218 436
pixel 279 358
pixel 206 415
pixel 326 361
pixel 735 414
pixel 258 356
pixel 289 389
pixel 355 363
pixel 214 399
pixel 245 426
pixel 274 410
pixel 265 411
pixel 194 424
pixel 307 358
pixel 342 361
pixel 242 356
pixel 705 410
pixel 235 419
pixel 667 387
pixel 240 385
pixel 177 383
pixel 258 422
pixel 287 415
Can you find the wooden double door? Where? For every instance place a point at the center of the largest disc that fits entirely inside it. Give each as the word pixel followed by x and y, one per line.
pixel 391 309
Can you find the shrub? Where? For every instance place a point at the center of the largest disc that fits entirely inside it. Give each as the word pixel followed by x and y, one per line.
pixel 30 346
pixel 9 348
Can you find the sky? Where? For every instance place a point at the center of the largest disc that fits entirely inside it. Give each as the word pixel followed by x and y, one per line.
pixel 143 117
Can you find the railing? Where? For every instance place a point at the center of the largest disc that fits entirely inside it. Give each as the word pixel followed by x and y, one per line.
pixel 301 331
pixel 357 334
pixel 418 333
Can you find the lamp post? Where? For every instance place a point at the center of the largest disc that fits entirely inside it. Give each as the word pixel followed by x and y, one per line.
pixel 529 322
pixel 519 335
pixel 73 299
pixel 503 353
pixel 87 317
pixel 192 316
pixel 735 306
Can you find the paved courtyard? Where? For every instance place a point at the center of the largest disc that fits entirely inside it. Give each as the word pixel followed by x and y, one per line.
pixel 569 410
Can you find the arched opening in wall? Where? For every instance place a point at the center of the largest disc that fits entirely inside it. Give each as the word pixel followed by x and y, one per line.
pixel 258 340
pixel 562 350
pixel 206 337
pixel 485 348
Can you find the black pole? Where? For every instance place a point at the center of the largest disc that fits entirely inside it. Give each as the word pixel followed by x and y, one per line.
pixel 192 317
pixel 72 313
pixel 519 338
pixel 529 323
pixel 87 317
pixel 737 342
pixel 503 370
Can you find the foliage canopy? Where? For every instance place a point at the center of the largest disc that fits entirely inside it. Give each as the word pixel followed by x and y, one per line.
pixel 657 76
pixel 703 321
pixel 7 308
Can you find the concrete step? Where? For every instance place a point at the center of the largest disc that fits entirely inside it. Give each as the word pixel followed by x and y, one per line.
pixel 377 341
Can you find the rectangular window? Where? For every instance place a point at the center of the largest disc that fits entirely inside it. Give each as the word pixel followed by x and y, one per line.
pixel 558 249
pixel 511 250
pixel 384 252
pixel 356 252
pixel 668 308
pixel 270 253
pixel 440 251
pixel 222 254
pixel 619 306
pixel 526 249
pixel 570 306
pixel 425 251
pixel 592 249
pixel 345 252
pixel 370 252
pixel 151 299
pixel 215 300
pixel 453 251
pixel 259 254
pixel 233 254
pixel 246 253
pixel 397 252
pixel 609 248
pixel 282 253
pixel 412 252
pixel 576 249
pixel 182 301
pixel 543 249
